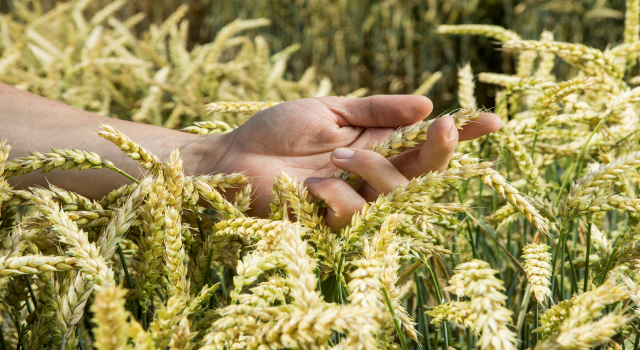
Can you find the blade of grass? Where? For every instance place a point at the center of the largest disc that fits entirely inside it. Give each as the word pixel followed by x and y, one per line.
pixel 408 272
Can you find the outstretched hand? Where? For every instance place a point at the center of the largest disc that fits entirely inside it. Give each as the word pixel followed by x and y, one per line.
pixel 313 138
pixel 309 138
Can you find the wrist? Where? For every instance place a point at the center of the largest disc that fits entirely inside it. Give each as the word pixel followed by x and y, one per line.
pixel 202 154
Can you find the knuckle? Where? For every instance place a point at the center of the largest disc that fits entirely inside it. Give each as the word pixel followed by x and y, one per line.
pixel 333 185
pixel 370 160
pixel 328 187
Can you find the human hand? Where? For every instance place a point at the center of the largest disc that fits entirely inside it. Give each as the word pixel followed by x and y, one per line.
pixel 299 137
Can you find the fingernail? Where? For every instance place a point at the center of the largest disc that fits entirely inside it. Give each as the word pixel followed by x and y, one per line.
pixel 453 131
pixel 344 153
pixel 312 180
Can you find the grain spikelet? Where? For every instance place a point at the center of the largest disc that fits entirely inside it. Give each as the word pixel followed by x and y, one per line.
pixel 110 317
pixel 4 154
pixel 34 264
pixel 583 57
pixel 545 106
pixel 428 84
pixel 240 107
pixel 487 303
pixel 494 32
pixel 466 87
pixel 132 149
pixel 538 267
pixel 547 59
pixel 89 259
pixel 588 335
pixel 458 312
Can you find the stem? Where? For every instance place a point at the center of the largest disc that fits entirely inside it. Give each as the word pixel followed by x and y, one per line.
pixel 526 335
pixel 565 181
pixel 471 240
pixel 208 269
pixel 63 343
pixel 80 342
pixel 561 291
pixel 130 284
pixel 207 275
pixel 433 279
pixel 535 322
pixel 33 295
pixel 198 220
pixel 495 240
pixel 29 308
pixel 504 97
pixel 16 322
pixel 553 263
pixel 624 138
pixel 485 151
pixel 144 317
pixel 606 270
pixel 523 309
pixel 223 282
pixel 110 165
pixel 440 299
pixel 574 274
pixel 495 193
pixel 506 164
pixel 214 300
pixel 636 344
pixel 387 299
pixel 587 253
pixel 421 303
pixel 533 146
pixel 573 164
pixel 319 286
pixel 3 345
pixel 336 293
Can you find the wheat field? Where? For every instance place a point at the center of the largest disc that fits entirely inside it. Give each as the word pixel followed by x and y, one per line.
pixel 529 240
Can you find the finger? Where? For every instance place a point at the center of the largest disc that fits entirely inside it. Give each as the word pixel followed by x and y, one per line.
pixel 342 199
pixel 380 110
pixel 484 124
pixel 435 153
pixel 380 175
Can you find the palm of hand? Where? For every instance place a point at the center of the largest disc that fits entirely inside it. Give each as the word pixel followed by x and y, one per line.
pixel 297 138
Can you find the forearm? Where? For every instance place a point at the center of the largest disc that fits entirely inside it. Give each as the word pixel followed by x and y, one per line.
pixel 31 122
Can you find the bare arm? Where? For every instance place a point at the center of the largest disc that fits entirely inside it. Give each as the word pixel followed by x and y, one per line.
pixel 297 137
pixel 31 122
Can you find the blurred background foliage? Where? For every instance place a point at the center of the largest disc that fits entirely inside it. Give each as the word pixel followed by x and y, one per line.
pixel 389 46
